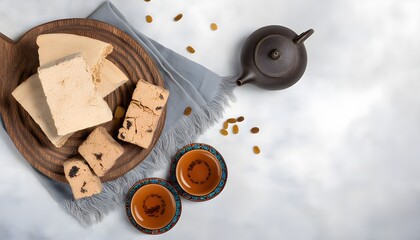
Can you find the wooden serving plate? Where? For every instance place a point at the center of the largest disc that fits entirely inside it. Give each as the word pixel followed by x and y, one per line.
pixel 19 60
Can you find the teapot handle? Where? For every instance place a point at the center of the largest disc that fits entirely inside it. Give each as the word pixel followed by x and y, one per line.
pixel 303 36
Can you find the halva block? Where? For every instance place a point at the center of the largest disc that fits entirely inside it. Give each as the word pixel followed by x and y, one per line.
pixel 71 95
pixel 83 182
pixel 106 76
pixel 143 114
pixel 54 46
pixel 100 150
pixel 31 97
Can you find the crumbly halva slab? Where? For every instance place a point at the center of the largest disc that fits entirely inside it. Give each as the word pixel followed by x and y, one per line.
pixel 106 76
pixel 83 182
pixel 71 95
pixel 31 97
pixel 143 114
pixel 100 150
pixel 53 46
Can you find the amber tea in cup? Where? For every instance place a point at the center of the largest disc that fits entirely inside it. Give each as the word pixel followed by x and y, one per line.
pixel 153 206
pixel 198 172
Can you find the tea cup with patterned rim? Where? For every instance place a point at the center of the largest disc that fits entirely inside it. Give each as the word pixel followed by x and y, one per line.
pixel 153 206
pixel 198 172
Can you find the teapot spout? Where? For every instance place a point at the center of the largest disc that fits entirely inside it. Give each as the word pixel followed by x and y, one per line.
pixel 246 77
pixel 303 36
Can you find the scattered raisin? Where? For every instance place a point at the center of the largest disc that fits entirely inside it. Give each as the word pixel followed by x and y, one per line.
pixel 158 108
pixel 119 112
pixel 256 150
pixel 235 129
pixel 178 17
pixel 161 97
pixel 255 130
pixel 190 49
pixel 240 119
pixel 231 120
pixel 213 26
pixel 187 111
pixel 149 19
pixel 223 132
pixel 225 125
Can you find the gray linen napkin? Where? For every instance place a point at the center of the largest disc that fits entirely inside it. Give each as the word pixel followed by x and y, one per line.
pixel 190 85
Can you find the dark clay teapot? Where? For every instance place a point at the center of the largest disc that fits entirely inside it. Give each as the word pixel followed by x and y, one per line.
pixel 273 57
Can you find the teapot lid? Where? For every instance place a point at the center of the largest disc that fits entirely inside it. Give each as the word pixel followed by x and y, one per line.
pixel 275 56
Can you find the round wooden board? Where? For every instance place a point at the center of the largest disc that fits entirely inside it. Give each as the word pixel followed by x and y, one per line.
pixel 19 60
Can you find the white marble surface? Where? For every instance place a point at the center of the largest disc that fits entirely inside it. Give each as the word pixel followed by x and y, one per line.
pixel 340 149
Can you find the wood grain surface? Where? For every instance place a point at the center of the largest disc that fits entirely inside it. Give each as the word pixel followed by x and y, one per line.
pixel 19 60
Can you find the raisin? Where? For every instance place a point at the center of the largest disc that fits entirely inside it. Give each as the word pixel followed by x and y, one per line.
pixel 235 129
pixel 161 97
pixel 213 26
pixel 190 49
pixel 187 111
pixel 223 132
pixel 256 150
pixel 178 17
pixel 82 190
pixel 98 156
pixel 240 119
pixel 255 130
pixel 119 112
pixel 149 19
pixel 231 120
pixel 129 124
pixel 225 125
pixel 73 171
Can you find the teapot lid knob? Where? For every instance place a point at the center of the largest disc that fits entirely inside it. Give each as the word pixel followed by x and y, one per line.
pixel 275 54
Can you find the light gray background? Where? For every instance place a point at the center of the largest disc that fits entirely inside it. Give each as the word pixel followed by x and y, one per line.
pixel 340 149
